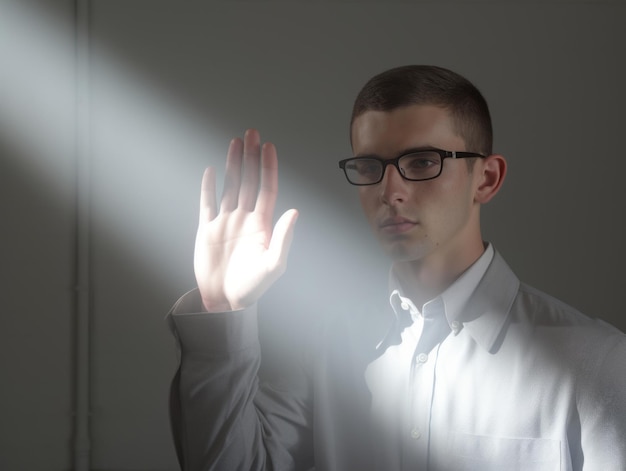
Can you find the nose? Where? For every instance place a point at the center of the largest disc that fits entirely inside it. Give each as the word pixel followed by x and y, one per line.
pixel 393 187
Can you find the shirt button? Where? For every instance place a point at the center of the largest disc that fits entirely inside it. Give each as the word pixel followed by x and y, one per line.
pixel 455 325
pixel 404 306
pixel 422 358
pixel 416 434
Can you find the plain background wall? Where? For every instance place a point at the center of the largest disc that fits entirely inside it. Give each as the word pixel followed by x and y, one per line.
pixel 171 83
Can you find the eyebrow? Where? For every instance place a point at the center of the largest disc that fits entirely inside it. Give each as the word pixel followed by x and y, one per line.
pixel 409 150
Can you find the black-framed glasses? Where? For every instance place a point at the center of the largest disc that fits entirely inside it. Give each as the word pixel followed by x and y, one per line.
pixel 416 165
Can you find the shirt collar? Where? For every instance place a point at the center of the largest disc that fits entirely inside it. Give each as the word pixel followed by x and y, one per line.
pixel 458 293
pixel 479 299
pixel 489 306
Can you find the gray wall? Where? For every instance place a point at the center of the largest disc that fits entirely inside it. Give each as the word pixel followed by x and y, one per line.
pixel 171 83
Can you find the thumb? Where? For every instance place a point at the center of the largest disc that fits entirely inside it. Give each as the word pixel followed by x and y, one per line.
pixel 280 242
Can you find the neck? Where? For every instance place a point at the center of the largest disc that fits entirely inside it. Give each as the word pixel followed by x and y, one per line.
pixel 424 279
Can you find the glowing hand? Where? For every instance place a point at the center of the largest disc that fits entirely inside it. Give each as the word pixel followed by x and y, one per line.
pixel 237 255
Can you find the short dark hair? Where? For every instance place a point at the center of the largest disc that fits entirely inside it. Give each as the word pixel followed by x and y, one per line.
pixel 431 85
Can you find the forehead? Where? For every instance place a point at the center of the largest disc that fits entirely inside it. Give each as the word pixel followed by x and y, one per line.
pixel 387 133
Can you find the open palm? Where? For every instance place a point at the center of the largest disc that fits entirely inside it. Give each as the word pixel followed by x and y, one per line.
pixel 238 255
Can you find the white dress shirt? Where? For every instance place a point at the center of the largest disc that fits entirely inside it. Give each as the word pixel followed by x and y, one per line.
pixel 495 375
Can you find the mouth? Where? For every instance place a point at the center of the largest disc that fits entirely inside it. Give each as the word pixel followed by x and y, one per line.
pixel 396 225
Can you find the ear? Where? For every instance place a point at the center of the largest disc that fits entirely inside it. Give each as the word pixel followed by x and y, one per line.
pixel 490 178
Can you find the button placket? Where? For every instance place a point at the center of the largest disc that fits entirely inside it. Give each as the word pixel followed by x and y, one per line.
pixel 421 390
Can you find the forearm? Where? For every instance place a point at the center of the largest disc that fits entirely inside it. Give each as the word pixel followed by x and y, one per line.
pixel 221 418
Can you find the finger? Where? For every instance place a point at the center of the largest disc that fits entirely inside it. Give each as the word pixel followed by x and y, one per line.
pixel 269 182
pixel 280 243
pixel 208 204
pixel 232 179
pixel 250 174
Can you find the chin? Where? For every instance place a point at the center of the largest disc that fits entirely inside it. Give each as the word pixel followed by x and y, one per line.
pixel 400 252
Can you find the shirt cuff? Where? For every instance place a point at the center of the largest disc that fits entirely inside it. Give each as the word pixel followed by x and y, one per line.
pixel 212 333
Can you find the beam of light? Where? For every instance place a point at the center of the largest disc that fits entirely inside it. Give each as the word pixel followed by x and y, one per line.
pixel 141 138
pixel 38 112
pixel 139 128
pixel 35 118
pixel 135 126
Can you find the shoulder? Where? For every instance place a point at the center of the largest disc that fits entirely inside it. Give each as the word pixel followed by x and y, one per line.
pixel 591 347
pixel 542 309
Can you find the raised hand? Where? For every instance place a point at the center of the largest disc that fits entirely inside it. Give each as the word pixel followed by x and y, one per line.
pixel 237 254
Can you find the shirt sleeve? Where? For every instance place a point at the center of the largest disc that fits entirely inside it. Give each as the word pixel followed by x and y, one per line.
pixel 602 406
pixel 223 416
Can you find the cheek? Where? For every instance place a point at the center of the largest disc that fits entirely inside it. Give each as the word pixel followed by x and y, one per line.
pixel 368 201
pixel 451 206
pixel 437 206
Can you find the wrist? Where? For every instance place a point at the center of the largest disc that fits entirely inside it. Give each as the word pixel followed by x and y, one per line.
pixel 216 306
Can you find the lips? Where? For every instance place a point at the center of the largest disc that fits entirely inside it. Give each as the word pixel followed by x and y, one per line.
pixel 397 225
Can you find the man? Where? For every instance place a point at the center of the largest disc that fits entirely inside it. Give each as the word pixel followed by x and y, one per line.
pixel 472 370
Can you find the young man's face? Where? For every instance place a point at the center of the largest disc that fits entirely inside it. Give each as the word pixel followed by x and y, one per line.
pixel 434 219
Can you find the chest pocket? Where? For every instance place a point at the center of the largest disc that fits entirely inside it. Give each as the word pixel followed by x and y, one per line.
pixel 485 453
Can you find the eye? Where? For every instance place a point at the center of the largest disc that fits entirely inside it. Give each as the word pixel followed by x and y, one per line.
pixel 365 166
pixel 421 165
pixel 417 162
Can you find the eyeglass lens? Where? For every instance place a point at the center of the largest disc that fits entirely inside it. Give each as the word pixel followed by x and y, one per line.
pixel 416 166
